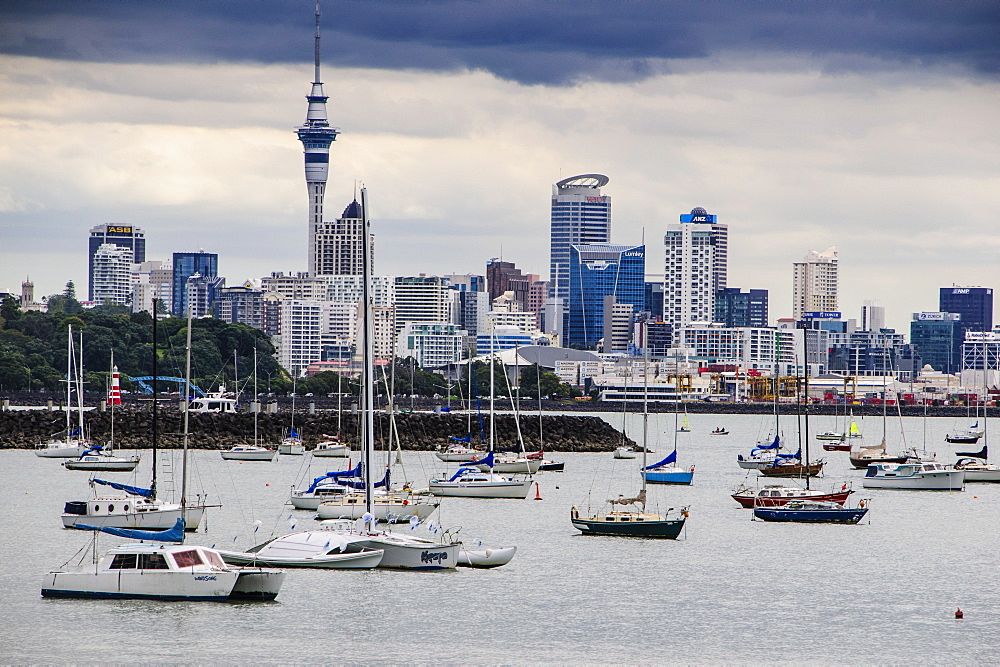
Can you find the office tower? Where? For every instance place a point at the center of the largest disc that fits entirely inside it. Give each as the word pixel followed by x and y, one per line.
pixel 598 270
pixel 432 345
pixel 123 236
pixel 872 315
pixel 695 267
pixel 974 304
pixel 654 300
pixel 111 274
pixel 938 338
pixel 580 214
pixel 185 265
pixel 301 339
pixel 423 299
pixel 619 319
pixel 201 294
pixel 240 303
pixel 316 136
pixel 814 283
pixel 538 291
pixel 502 277
pixel 471 304
pixel 735 308
pixel 337 245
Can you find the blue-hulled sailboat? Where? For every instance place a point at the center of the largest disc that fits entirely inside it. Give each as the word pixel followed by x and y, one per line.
pixel 667 471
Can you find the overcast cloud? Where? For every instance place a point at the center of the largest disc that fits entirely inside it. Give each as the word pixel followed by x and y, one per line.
pixel 870 126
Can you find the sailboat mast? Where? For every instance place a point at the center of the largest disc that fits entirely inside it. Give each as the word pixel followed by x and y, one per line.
pixel 152 485
pixel 79 391
pixel 367 353
pixel 805 411
pixel 256 397
pixel 69 379
pixel 111 401
pixel 187 402
pixel 645 417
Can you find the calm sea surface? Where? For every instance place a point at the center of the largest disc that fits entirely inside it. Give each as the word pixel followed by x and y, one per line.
pixel 733 590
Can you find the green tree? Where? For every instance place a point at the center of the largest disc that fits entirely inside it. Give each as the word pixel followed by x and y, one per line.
pixel 13 372
pixel 10 311
pixel 532 377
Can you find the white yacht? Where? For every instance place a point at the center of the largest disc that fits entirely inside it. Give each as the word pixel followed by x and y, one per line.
pixel 214 401
pixel 97 458
pixel 395 507
pixel 137 510
pixel 468 483
pixel 458 454
pixel 331 448
pixel 248 453
pixel 920 475
pixel 510 463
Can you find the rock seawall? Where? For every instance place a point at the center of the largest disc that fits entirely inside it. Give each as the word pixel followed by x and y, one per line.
pixel 417 431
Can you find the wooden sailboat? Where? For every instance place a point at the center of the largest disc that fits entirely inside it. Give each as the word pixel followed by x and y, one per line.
pixel 628 517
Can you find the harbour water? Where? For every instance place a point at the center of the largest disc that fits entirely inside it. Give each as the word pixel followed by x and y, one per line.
pixel 732 590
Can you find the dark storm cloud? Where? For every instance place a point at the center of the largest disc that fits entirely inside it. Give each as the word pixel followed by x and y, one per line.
pixel 531 41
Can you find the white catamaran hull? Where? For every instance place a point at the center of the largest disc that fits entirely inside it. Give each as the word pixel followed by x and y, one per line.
pixel 405 553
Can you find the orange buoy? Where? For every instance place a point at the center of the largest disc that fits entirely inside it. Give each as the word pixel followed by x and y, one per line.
pixel 538 495
pixel 959 613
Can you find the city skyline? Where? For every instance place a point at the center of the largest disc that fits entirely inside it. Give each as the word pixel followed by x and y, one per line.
pixel 885 146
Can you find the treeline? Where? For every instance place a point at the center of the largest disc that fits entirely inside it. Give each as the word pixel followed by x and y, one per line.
pixel 33 357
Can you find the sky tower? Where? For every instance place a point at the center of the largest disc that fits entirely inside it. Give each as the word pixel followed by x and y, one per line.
pixel 316 136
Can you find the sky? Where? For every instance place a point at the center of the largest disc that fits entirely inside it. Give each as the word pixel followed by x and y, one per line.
pixel 870 126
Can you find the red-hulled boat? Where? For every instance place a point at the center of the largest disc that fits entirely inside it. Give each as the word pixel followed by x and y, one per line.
pixel 837 446
pixel 776 496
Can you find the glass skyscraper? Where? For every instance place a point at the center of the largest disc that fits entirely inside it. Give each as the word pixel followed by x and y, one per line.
pixel 596 271
pixel 974 304
pixel 580 214
pixel 186 264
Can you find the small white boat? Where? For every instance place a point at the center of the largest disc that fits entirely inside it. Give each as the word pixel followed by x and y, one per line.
pixel 508 463
pixel 830 435
pixel 122 512
pixel 291 447
pixel 248 453
pixel 468 483
pixel 62 449
pixel 146 570
pixel 214 401
pixel 331 448
pixel 459 454
pixel 320 491
pixel 96 458
pixel 483 557
pixel 625 453
pixel 977 470
pixel 919 475
pixel 324 549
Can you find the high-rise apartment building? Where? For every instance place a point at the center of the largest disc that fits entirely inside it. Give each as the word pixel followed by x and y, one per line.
pixel 111 274
pixel 152 279
pixel 974 304
pixel 423 299
pixel 872 315
pixel 316 136
pixel 695 267
pixel 337 245
pixel 815 283
pixel 580 214
pixel 240 303
pixel 599 270
pixel 187 264
pixel 201 294
pixel 123 236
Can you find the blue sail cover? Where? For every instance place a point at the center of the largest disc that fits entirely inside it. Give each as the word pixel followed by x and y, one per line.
pixel 360 485
pixel 467 438
pixel 485 461
pixel 353 472
pixel 175 534
pixel 671 458
pixel 462 472
pixel 796 455
pixel 293 434
pixel 132 490
pixel 776 444
pixel 92 449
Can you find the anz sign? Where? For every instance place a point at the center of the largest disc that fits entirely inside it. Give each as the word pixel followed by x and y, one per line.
pixel 703 218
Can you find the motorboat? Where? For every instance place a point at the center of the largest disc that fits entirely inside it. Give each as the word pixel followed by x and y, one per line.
pixel 720 431
pixel 921 475
pixel 625 453
pixel 146 570
pixel 469 483
pixel 667 472
pixel 97 458
pixel 485 557
pixel 214 401
pixel 841 446
pixel 978 470
pixel 458 454
pixel 830 435
pixel 323 548
pixel 812 511
pixel 331 448
pixel 248 453
pixel 773 495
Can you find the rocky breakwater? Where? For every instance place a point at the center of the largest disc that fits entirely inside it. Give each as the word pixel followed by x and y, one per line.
pixel 417 431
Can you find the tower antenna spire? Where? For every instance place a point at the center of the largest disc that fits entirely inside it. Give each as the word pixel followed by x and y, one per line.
pixel 316 75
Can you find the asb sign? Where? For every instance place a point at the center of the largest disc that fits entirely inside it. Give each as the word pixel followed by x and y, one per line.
pixel 119 230
pixel 704 218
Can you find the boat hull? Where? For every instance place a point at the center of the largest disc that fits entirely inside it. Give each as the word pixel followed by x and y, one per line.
pixel 402 553
pixel 552 466
pixel 669 529
pixel 792 470
pixel 362 560
pixel 669 476
pixel 837 447
pixel 526 466
pixel 962 439
pixel 337 452
pixel 127 465
pixel 809 516
pixel 485 558
pixel 119 517
pixel 515 489
pixel 257 584
pixel 266 455
pixel 938 480
pixel 748 501
pixel 392 512
pixel 140 584
pixel 862 464
pixel 458 457
pixel 291 450
pixel 62 451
